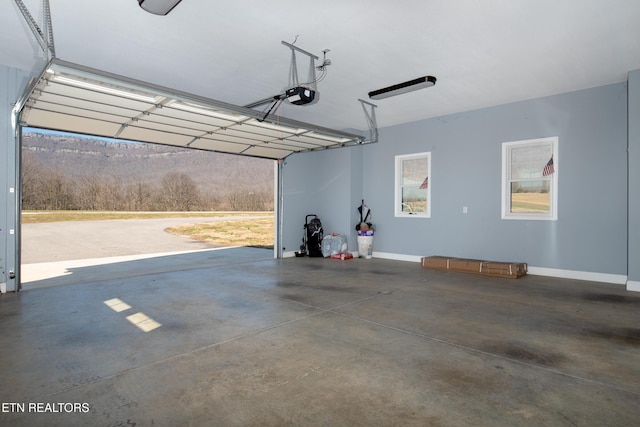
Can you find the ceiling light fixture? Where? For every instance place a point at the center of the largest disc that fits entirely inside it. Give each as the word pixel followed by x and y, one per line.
pixel 400 88
pixel 158 7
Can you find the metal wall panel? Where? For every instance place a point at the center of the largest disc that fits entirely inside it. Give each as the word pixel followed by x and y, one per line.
pixel 12 82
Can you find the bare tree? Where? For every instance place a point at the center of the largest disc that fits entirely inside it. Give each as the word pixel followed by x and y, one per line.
pixel 88 191
pixel 179 192
pixel 240 198
pixel 139 197
pixel 112 195
pixel 32 173
pixel 55 191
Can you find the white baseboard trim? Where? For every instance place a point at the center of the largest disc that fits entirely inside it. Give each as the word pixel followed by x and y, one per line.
pixel 633 285
pixel 397 257
pixel 618 279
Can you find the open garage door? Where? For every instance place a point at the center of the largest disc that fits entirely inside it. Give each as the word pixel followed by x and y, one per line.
pixel 72 98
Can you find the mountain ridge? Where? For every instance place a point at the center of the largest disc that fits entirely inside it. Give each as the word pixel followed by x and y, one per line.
pixel 214 173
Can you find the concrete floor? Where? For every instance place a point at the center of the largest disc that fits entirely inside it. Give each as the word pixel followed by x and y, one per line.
pixel 246 340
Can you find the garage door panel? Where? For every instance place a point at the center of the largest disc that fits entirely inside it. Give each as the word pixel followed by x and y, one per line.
pixel 267 152
pixel 95 97
pixel 165 127
pixel 188 117
pixel 149 135
pixel 316 140
pixel 64 122
pixel 79 112
pixel 158 117
pixel 51 99
pixel 293 144
pixel 219 146
pixel 239 132
pixel 225 137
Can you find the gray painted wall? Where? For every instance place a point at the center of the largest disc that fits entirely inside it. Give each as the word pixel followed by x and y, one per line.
pixel 634 178
pixel 590 234
pixel 325 183
pixel 12 83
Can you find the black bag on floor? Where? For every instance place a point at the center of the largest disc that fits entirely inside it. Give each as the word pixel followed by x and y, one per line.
pixel 313 235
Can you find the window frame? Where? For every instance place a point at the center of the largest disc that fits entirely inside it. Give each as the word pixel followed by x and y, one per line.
pixel 399 159
pixel 552 215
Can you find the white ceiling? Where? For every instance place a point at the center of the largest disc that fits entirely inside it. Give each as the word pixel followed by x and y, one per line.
pixel 483 53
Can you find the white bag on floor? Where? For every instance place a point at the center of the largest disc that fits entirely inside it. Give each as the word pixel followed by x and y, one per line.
pixel 334 244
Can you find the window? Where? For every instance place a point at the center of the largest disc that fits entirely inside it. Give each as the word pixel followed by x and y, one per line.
pixel 530 179
pixel 413 186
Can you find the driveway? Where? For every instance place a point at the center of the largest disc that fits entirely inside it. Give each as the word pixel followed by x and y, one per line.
pixel 73 240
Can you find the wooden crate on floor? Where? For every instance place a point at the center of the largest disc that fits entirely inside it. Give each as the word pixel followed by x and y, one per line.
pixel 504 269
pixel 465 265
pixel 511 270
pixel 437 262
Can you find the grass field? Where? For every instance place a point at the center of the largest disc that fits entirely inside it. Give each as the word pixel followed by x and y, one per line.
pixel 30 217
pixel 251 232
pixel 255 232
pixel 530 202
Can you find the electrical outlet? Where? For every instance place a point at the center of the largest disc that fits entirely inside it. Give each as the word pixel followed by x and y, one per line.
pixel 465 210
